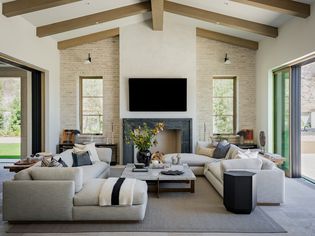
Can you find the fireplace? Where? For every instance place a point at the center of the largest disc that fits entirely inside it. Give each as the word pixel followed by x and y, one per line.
pixel 179 129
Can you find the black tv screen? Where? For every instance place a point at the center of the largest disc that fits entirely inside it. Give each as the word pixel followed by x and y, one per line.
pixel 157 94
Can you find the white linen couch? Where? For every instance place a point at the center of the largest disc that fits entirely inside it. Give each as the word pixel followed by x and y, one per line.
pixel 270 179
pixel 67 193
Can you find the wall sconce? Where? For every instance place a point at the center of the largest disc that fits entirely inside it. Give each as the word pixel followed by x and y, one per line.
pixel 227 60
pixel 88 60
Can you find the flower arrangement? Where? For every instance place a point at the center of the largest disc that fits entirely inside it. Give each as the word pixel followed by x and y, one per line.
pixel 144 137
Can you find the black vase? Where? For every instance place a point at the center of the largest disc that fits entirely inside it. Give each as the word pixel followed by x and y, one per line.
pixel 144 157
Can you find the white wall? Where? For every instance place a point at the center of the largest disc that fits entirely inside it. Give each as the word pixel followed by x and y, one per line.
pixel 160 54
pixel 296 39
pixel 18 39
pixel 168 53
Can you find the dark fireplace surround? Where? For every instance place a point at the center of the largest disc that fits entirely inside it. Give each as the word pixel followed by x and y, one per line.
pixel 182 124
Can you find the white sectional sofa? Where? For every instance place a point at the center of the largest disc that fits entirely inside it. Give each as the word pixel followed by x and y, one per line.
pixel 270 179
pixel 67 193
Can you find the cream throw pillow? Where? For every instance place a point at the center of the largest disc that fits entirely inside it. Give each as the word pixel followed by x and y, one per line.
pixel 246 155
pixel 88 147
pixel 205 151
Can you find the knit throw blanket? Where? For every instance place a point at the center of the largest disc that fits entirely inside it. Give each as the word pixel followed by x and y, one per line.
pixel 117 191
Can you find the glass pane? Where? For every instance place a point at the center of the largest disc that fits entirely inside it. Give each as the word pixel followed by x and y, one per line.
pixel 282 116
pixel 223 124
pixel 92 106
pixel 223 87
pixel 308 121
pixel 92 87
pixel 222 106
pixel 10 118
pixel 92 124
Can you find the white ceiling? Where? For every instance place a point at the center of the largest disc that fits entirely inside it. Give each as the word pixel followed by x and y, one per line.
pixel 86 7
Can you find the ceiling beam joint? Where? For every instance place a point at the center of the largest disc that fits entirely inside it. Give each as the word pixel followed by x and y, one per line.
pixel 220 19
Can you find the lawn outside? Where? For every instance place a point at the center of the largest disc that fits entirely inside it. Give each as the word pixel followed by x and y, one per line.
pixel 10 148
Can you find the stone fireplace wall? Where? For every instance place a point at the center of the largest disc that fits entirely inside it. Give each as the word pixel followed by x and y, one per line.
pixel 184 125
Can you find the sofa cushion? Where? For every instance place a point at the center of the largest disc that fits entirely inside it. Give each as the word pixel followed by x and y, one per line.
pixel 215 169
pixel 56 173
pixel 93 171
pixel 189 158
pixel 241 164
pixel 89 195
pixel 221 150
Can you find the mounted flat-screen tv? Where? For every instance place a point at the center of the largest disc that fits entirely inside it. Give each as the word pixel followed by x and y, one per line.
pixel 167 94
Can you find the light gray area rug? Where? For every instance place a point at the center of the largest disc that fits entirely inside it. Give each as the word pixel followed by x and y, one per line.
pixel 202 211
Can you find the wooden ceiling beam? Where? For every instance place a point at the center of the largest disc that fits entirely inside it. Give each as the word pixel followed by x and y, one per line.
pixel 157 7
pixel 93 19
pixel 90 38
pixel 20 7
pixel 287 7
pixel 217 18
pixel 227 39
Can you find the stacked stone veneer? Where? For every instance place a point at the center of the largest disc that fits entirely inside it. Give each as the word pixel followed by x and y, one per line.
pixel 308 88
pixel 105 63
pixel 210 63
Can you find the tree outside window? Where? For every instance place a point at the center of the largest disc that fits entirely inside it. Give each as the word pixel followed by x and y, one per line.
pixel 224 105
pixel 91 105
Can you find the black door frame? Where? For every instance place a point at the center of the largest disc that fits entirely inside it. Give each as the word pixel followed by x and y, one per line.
pixel 37 105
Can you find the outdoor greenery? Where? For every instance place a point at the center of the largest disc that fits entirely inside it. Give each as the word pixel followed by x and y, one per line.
pixel 223 104
pixel 92 105
pixel 10 107
pixel 144 137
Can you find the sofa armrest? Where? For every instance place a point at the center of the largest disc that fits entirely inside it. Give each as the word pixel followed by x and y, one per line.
pixel 38 200
pixel 104 154
pixel 271 185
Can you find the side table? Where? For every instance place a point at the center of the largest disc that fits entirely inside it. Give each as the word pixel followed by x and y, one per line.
pixel 240 193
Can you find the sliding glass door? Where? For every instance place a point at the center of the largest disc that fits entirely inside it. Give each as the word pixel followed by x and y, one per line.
pixel 281 84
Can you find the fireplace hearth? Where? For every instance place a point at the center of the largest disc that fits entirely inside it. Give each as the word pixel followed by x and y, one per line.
pixel 183 125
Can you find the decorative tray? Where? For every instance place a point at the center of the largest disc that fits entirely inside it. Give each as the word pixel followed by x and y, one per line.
pixel 172 172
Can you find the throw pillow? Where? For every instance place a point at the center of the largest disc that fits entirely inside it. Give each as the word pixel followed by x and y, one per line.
pixel 267 164
pixel 205 151
pixel 221 150
pixel 81 159
pixel 45 162
pixel 54 163
pixel 246 155
pixel 88 147
pixel 62 162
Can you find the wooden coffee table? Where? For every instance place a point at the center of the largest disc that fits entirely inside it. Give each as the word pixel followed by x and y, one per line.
pixel 164 183
pixel 20 165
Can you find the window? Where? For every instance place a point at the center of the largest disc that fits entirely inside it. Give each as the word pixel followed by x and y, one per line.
pixel 224 105
pixel 91 105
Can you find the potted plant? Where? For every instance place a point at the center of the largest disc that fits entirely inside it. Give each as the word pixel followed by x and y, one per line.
pixel 144 138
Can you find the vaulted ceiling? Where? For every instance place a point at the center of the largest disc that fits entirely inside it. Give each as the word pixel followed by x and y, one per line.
pixel 245 19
